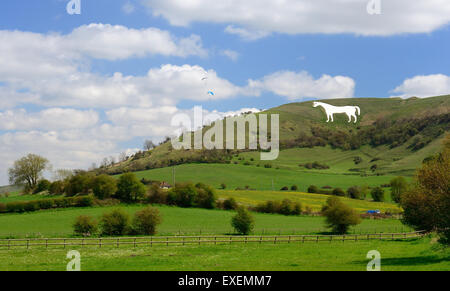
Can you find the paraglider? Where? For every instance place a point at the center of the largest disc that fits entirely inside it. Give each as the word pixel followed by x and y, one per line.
pixel 209 92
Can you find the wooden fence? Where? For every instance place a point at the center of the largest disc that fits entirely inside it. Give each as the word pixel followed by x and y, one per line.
pixel 197 240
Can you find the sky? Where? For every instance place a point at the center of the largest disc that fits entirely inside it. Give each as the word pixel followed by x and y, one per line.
pixel 76 88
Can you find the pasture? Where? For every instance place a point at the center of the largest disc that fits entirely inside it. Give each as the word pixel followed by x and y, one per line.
pixel 414 255
pixel 185 221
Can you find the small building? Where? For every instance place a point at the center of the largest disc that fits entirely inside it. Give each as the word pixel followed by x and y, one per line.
pixel 165 185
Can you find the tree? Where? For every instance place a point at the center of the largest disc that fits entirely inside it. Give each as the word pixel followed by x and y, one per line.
pixel 129 188
pixel 43 185
pixel 62 174
pixel 399 186
pixel 338 192
pixel 339 216
pixel 377 194
pixel 28 170
pixel 146 220
pixel 206 196
pixel 104 186
pixel 56 188
pixel 183 195
pixel 427 204
pixel 80 183
pixel 243 222
pixel 148 145
pixel 116 222
pixel 354 192
pixel 85 225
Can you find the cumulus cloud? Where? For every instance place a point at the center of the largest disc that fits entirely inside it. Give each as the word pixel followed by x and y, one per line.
pixel 424 86
pixel 257 18
pixel 232 55
pixel 295 86
pixel 128 8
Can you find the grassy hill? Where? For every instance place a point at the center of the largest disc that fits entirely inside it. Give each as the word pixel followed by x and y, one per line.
pixel 392 137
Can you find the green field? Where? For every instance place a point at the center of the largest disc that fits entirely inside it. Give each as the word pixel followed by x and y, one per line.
pixel 315 201
pixel 58 223
pixel 258 178
pixel 414 255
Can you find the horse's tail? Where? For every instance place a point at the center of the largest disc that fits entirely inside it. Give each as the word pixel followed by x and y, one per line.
pixel 358 109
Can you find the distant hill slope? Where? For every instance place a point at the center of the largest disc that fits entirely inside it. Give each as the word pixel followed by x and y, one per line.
pixel 392 135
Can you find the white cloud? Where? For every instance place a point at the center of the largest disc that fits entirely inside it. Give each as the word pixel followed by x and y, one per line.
pixel 232 55
pixel 128 8
pixel 257 18
pixel 424 86
pixel 301 85
pixel 48 119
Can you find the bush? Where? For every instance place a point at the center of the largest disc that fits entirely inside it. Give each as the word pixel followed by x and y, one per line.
pixel 294 188
pixel 286 207
pixel 30 206
pixel 83 201
pixel 338 192
pixel 206 196
pixel 43 185
pixel 339 216
pixel 146 220
pixel 129 188
pixel 267 166
pixel 16 206
pixel 46 203
pixel 285 188
pixel 223 186
pixel 399 186
pixel 115 223
pixel 156 195
pixel 377 194
pixel 243 221
pixel 56 188
pixel 79 184
pixel 85 225
pixel 354 192
pixel 2 207
pixel 183 195
pixel 313 189
pixel 104 186
pixel 230 204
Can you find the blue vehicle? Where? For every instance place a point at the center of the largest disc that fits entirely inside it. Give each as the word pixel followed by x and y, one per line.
pixel 374 212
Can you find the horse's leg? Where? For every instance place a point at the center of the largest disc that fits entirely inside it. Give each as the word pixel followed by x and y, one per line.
pixel 349 118
pixel 328 117
pixel 356 118
pixel 332 117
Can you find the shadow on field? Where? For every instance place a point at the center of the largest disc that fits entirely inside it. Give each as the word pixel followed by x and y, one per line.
pixel 409 261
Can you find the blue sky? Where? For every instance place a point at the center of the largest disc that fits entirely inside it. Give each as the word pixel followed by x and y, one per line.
pixel 295 52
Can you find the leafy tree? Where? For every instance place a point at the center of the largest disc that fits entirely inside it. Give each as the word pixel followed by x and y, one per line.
pixel 243 222
pixel 206 196
pixel 313 189
pixel 56 188
pixel 399 186
pixel 146 220
pixel 338 192
pixel 294 188
pixel 354 192
pixel 129 188
pixel 80 183
pixel 104 186
pixel 427 204
pixel 339 216
pixel 230 204
pixel 85 225
pixel 156 195
pixel 148 145
pixel 28 170
pixel 183 195
pixel 43 185
pixel 377 194
pixel 116 222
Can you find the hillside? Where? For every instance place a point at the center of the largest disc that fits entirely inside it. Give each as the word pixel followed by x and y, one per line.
pixel 392 137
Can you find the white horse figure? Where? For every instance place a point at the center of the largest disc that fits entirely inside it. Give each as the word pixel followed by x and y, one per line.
pixel 351 111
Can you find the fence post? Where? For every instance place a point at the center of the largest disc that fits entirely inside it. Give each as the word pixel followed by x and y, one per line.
pixel 303 239
pixel 46 243
pixel 343 238
pixel 28 243
pixel 289 241
pixel 117 242
pixel 260 239
pixel 167 241
pixel 64 243
pixel 275 240
pixel 134 244
pixel 100 243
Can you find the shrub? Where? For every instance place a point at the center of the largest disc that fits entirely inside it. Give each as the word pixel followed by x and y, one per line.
pixel 294 188
pixel 285 188
pixel 297 209
pixel 338 192
pixel 267 166
pixel 46 203
pixel 30 206
pixel 313 189
pixel 156 195
pixel 115 223
pixel 16 206
pixel 129 188
pixel 206 196
pixel 377 194
pixel 230 204
pixel 83 201
pixel 243 221
pixel 104 186
pixel 146 220
pixel 56 188
pixel 223 186
pixel 43 185
pixel 354 192
pixel 398 187
pixel 182 195
pixel 79 184
pixel 2 207
pixel 357 160
pixel 339 216
pixel 85 225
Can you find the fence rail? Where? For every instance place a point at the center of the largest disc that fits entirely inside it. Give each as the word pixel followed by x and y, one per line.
pixel 198 240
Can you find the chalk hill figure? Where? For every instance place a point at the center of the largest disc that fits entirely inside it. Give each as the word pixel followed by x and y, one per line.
pixel 330 110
